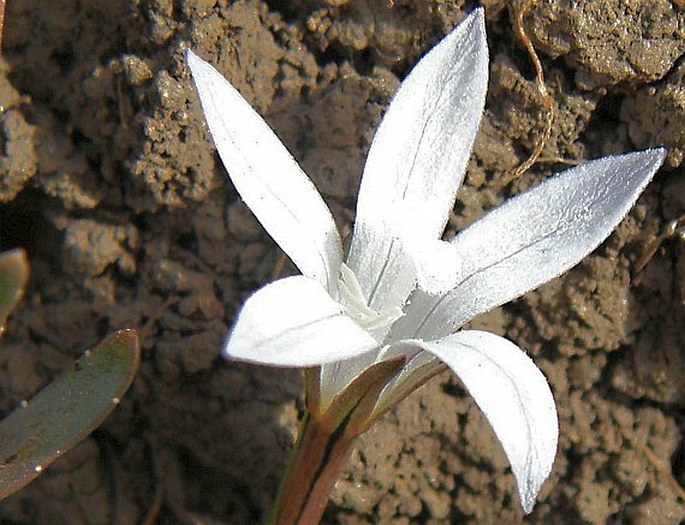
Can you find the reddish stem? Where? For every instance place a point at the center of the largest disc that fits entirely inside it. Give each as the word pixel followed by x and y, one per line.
pixel 314 466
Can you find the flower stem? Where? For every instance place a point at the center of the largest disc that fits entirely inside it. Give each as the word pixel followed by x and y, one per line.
pixel 314 466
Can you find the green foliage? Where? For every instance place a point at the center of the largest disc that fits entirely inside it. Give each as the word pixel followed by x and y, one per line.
pixel 68 409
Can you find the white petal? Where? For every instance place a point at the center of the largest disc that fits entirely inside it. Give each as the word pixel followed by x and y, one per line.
pixel 438 265
pixel 295 322
pixel 383 267
pixel 268 178
pixel 532 238
pixel 420 151
pixel 514 396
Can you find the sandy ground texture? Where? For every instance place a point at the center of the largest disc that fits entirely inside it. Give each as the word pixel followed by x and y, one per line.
pixel 110 179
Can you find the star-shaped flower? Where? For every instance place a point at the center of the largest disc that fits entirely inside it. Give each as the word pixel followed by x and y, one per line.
pixel 380 322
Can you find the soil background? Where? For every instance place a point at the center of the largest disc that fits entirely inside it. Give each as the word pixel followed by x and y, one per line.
pixel 111 182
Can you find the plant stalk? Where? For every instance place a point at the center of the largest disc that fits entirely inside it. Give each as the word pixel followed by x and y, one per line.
pixel 315 464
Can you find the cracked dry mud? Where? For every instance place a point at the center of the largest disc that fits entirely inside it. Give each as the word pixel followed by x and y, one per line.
pixel 109 178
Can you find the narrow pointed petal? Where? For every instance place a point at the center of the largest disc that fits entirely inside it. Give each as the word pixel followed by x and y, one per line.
pixel 295 322
pixel 419 153
pixel 514 396
pixel 532 238
pixel 268 178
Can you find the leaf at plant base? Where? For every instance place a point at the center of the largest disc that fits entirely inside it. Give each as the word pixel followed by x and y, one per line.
pixel 14 273
pixel 66 411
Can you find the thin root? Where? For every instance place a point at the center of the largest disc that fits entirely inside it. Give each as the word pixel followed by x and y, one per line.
pixel 547 99
pixel 156 507
pixel 557 160
pixel 675 227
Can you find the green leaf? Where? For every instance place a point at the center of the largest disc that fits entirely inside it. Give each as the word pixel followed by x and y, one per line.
pixel 66 411
pixel 14 273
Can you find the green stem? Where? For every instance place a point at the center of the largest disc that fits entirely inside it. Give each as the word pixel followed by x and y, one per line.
pixel 314 466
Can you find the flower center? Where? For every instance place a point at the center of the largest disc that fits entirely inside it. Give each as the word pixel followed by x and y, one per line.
pixel 351 296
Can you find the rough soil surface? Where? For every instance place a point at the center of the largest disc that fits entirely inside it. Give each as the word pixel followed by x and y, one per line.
pixel 110 180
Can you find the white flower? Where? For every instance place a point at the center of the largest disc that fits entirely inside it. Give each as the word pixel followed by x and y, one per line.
pixel 402 292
